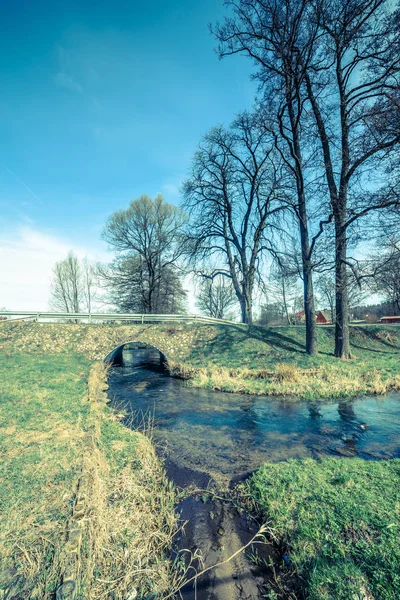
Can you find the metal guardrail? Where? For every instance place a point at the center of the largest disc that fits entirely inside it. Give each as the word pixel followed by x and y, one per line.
pixel 9 315
pixel 136 318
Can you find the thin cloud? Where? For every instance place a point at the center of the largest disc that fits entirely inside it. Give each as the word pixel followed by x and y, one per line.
pixel 171 189
pixel 65 77
pixel 27 258
pixel 22 183
pixel 68 82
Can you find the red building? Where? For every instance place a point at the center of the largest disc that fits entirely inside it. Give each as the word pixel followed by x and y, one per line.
pixel 322 317
pixel 390 320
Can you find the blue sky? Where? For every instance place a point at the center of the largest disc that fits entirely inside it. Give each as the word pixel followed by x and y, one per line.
pixel 101 102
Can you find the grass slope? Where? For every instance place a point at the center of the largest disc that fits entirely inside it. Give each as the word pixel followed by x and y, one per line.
pixel 273 361
pixel 50 435
pixel 339 521
pixel 256 360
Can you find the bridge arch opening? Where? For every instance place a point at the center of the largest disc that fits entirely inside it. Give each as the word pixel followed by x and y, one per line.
pixel 137 354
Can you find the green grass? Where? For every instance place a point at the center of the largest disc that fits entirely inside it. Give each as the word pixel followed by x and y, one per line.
pixel 41 410
pixel 273 361
pixel 42 413
pixel 339 520
pixel 263 347
pixel 50 434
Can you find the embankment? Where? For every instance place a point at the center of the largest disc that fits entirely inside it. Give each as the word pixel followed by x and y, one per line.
pixel 256 360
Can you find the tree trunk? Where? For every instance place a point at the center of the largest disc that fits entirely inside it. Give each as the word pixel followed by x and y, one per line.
pixel 246 310
pixel 309 311
pixel 309 304
pixel 342 337
pixel 285 301
pixel 309 308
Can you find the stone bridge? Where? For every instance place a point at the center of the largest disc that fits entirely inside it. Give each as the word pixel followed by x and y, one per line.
pixel 175 342
pixel 139 353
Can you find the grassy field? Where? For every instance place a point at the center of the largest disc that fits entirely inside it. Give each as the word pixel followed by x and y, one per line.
pixel 338 522
pixel 59 440
pixel 273 361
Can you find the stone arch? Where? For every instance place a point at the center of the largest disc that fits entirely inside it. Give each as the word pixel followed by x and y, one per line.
pixel 146 354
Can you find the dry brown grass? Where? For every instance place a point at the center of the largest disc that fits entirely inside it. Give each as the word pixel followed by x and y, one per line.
pixel 61 451
pixel 285 372
pixel 130 519
pixel 290 380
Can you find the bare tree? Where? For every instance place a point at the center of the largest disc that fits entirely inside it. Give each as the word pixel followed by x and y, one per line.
pixel 232 194
pixel 271 32
pixel 148 239
pixel 345 55
pixel 353 89
pixel 216 297
pixel 75 285
pixel 282 286
pixel 325 286
pixel 67 292
pixel 89 283
pixel 357 290
pixel 387 279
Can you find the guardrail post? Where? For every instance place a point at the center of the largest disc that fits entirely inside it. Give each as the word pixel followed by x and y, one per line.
pixel 142 319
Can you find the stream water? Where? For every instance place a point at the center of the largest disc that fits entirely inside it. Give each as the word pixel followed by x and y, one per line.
pixel 208 437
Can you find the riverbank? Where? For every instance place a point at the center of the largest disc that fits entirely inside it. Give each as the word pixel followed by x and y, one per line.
pixel 335 521
pixel 259 360
pixel 336 524
pixel 82 498
pixel 273 362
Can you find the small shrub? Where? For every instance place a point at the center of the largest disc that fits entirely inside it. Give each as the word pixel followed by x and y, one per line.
pixel 286 372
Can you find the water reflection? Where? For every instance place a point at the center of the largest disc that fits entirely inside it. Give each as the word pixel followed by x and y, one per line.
pixel 228 435
pixel 314 410
pixel 346 411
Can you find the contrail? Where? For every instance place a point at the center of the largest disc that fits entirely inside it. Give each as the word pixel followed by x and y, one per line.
pixel 22 183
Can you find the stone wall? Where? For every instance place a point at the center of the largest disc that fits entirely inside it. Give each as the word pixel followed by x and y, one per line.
pixel 97 341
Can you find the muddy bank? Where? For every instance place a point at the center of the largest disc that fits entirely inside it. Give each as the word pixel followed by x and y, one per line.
pixel 219 530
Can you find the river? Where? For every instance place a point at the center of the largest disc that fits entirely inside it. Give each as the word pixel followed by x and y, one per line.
pixel 213 438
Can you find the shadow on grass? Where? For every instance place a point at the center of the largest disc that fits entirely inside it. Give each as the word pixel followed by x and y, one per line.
pixel 275 338
pixel 289 343
pixel 372 334
pixel 228 337
pixel 395 351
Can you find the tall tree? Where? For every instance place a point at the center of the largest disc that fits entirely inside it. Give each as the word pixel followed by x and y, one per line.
pixel 387 268
pixel 340 59
pixel 270 32
pixel 216 297
pixel 89 283
pixel 283 286
pixel 232 194
pixel 353 89
pixel 356 292
pixel 147 237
